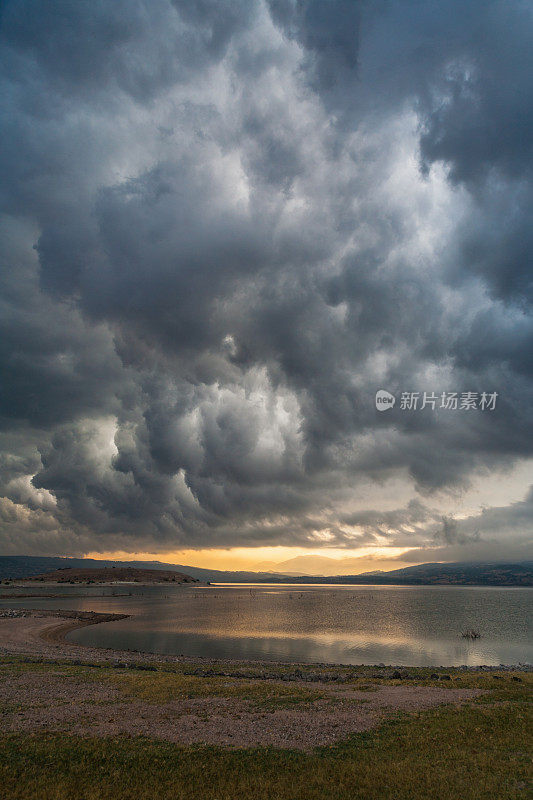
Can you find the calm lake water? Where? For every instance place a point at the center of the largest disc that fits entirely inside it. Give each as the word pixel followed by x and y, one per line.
pixel 409 626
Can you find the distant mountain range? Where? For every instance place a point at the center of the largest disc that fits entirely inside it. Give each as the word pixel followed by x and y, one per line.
pixel 323 565
pixel 457 574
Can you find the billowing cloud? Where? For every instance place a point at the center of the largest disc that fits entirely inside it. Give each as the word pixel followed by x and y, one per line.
pixel 225 226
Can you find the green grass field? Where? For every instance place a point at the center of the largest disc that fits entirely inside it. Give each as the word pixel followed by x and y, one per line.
pixel 476 751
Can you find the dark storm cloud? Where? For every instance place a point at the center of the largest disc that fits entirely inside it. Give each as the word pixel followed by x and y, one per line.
pixel 450 534
pixel 500 533
pixel 82 48
pixel 327 32
pixel 226 226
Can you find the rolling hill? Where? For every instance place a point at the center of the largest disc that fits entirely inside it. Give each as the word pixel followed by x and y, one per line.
pixel 112 575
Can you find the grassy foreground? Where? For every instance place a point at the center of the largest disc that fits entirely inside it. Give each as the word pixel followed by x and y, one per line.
pixel 478 750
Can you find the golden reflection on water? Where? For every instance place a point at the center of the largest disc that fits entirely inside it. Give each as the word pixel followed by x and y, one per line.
pixel 347 624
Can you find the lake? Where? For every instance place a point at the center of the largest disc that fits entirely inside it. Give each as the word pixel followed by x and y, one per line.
pixel 400 625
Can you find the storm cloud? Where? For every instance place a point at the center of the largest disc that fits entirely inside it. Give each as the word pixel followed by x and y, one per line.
pixel 225 226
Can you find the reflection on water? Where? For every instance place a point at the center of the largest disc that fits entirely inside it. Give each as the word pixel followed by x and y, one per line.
pixel 342 624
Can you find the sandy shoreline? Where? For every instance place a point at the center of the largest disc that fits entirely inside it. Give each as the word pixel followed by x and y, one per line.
pixel 41 633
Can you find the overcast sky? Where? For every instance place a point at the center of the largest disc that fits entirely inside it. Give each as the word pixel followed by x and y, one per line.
pixel 226 224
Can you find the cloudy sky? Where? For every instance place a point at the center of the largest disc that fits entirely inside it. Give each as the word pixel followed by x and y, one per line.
pixel 226 224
